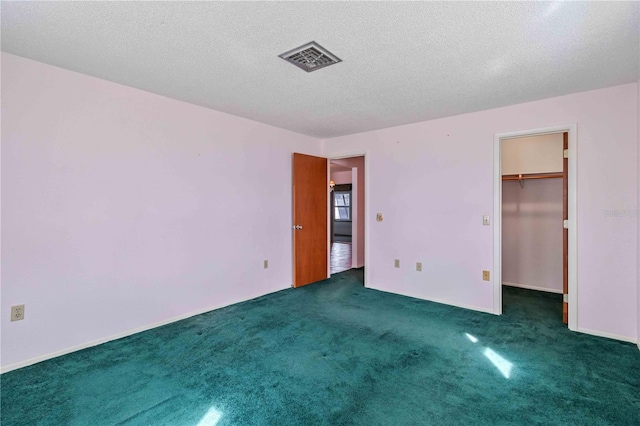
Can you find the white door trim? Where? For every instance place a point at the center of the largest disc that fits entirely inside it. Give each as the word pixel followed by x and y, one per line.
pixel 354 217
pixel 572 129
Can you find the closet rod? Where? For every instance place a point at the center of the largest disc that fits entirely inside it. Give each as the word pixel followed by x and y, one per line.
pixel 532 176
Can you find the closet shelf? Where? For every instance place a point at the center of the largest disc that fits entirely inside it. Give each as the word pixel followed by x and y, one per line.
pixel 532 176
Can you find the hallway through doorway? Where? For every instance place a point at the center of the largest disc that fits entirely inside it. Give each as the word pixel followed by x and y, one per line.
pixel 340 257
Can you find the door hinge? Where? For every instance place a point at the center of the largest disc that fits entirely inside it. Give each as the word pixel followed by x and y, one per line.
pixel 565 153
pixel 565 224
pixel 565 298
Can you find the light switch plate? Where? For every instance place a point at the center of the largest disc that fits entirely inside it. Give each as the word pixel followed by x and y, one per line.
pixel 486 220
pixel 379 217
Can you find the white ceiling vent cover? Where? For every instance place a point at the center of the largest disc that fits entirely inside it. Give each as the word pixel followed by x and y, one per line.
pixel 310 57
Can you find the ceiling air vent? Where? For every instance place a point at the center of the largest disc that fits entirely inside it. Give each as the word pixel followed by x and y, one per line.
pixel 310 57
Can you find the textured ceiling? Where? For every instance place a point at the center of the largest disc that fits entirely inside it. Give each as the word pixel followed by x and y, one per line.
pixel 402 61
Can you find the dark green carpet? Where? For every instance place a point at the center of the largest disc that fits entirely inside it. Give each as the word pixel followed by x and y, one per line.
pixel 336 353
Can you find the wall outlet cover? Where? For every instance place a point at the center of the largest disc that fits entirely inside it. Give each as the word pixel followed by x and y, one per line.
pixel 419 266
pixel 396 263
pixel 17 312
pixel 486 276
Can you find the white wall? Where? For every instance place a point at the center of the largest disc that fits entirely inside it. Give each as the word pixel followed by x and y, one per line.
pixel 433 181
pixel 122 209
pixel 532 234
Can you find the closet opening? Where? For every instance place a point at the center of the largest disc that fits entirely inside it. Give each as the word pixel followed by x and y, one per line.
pixel 534 221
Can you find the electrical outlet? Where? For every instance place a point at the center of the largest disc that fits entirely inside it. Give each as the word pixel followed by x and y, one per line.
pixel 17 313
pixel 485 275
pixel 265 264
pixel 485 220
pixel 379 217
pixel 419 266
pixel 396 263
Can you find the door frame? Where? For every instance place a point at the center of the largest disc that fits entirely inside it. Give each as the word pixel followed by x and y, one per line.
pixel 572 130
pixel 367 221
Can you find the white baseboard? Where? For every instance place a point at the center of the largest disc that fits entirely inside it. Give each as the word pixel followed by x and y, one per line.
pixel 608 335
pixel 31 361
pixel 440 301
pixel 532 287
pixel 463 306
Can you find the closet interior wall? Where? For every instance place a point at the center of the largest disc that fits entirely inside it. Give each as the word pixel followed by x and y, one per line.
pixel 532 213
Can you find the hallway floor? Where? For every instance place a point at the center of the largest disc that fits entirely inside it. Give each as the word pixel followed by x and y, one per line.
pixel 340 257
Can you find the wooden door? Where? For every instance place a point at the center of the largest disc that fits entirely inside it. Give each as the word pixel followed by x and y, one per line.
pixel 565 231
pixel 310 193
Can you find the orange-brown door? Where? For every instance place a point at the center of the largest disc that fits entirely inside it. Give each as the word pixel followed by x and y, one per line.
pixel 310 187
pixel 565 231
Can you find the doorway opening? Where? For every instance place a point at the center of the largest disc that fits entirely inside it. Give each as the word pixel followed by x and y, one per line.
pixel 533 210
pixel 534 216
pixel 341 224
pixel 346 214
pixel 311 213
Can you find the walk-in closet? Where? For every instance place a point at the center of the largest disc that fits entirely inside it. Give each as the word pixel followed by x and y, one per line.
pixel 534 189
